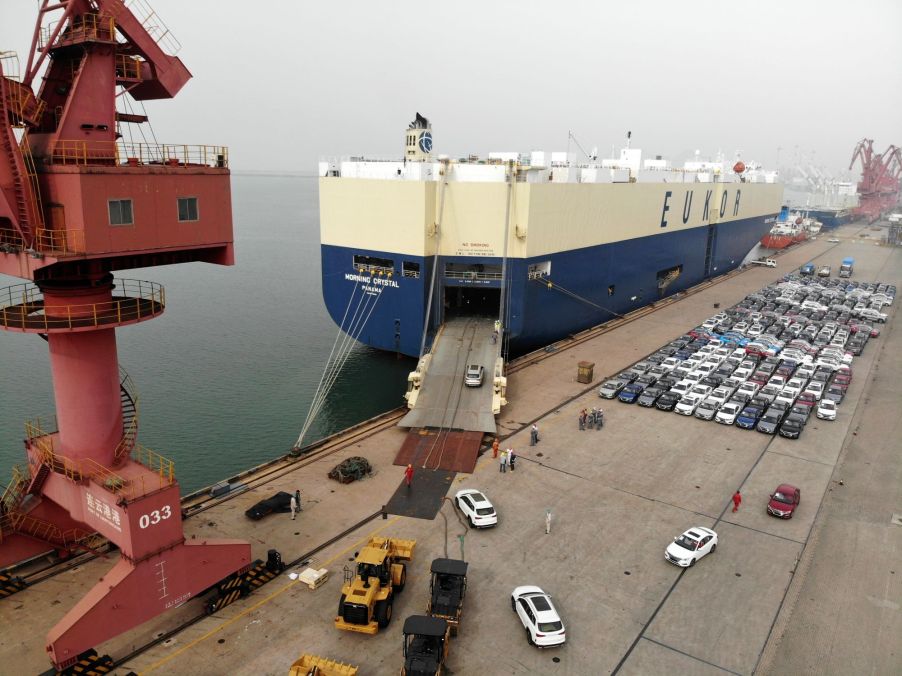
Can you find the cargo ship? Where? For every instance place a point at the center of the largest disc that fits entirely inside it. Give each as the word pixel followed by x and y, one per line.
pixel 831 217
pixel 546 244
pixel 790 229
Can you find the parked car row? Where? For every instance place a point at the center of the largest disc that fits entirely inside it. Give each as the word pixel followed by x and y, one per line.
pixel 768 363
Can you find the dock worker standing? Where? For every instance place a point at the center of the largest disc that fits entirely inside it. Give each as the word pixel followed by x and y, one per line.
pixel 737 500
pixel 297 496
pixel 547 521
pixel 495 446
pixel 408 475
pixel 294 507
pixel 511 458
pixel 502 462
pixel 534 435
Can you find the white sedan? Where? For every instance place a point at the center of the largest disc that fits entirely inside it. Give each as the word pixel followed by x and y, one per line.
pixel 476 507
pixel 691 546
pixel 537 613
pixel 826 409
pixel 688 404
pixel 727 413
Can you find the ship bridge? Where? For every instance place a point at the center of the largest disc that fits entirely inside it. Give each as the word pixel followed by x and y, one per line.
pixel 448 417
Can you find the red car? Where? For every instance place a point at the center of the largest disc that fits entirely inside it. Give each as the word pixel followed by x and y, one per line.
pixel 842 380
pixel 807 399
pixel 783 501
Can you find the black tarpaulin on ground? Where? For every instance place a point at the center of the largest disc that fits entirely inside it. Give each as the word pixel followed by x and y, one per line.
pixel 423 499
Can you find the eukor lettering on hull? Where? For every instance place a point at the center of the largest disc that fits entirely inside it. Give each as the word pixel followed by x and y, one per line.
pixel 706 209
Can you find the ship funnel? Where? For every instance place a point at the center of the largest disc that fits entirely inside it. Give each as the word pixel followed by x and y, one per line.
pixel 418 140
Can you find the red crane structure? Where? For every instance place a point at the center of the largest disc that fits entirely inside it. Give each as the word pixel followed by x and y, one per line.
pixel 878 189
pixel 77 203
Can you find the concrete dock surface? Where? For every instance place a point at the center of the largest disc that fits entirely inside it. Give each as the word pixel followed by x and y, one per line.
pixel 817 594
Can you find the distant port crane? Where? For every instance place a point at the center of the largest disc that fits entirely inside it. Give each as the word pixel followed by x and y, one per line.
pixel 878 189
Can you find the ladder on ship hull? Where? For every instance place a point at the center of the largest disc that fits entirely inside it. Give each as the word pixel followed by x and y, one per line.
pixel 709 249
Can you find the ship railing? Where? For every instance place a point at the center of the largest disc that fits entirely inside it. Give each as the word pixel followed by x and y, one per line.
pixel 40 434
pixel 22 307
pixel 471 274
pixel 375 269
pixel 123 153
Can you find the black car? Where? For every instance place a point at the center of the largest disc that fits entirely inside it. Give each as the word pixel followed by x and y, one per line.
pixel 280 502
pixel 769 422
pixel 792 427
pixel 667 401
pixel 650 396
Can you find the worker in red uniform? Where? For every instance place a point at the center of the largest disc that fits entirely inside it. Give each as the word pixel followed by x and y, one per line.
pixel 495 446
pixel 737 500
pixel 408 475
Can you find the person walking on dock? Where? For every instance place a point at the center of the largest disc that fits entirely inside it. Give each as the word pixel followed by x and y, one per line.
pixel 502 462
pixel 495 446
pixel 737 500
pixel 547 521
pixel 582 419
pixel 511 458
pixel 297 496
pixel 294 507
pixel 408 476
pixel 534 435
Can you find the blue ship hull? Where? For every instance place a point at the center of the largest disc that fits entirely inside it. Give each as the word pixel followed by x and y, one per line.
pixel 831 218
pixel 585 288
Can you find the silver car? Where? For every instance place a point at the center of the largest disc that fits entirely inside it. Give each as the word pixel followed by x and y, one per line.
pixel 474 375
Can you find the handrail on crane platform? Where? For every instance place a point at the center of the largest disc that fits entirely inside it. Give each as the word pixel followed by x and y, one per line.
pixel 22 307
pixel 40 434
pixel 123 153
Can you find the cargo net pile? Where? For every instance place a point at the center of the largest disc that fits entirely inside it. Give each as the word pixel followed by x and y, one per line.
pixel 351 469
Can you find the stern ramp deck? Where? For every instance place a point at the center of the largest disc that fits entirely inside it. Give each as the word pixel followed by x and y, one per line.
pixel 443 401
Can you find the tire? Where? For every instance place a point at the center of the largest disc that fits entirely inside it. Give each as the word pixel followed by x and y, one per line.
pixel 470 521
pixel 384 612
pixel 513 604
pixel 529 638
pixel 692 563
pixel 341 606
pixel 713 547
pixel 400 586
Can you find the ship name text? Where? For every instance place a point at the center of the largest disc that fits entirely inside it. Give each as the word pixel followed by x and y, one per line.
pixel 707 207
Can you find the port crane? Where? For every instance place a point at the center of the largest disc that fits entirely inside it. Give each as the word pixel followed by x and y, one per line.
pixel 878 189
pixel 79 202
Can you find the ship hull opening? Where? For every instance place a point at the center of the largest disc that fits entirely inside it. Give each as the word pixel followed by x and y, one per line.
pixel 460 301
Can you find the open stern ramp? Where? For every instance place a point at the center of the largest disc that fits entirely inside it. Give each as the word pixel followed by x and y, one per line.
pixel 437 395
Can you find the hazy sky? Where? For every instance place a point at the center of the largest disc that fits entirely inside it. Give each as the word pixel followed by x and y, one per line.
pixel 285 83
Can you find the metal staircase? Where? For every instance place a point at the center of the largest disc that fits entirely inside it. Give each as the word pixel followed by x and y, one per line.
pixel 14 520
pixel 18 109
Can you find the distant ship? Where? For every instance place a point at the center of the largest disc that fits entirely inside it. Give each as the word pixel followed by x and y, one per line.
pixel 790 228
pixel 545 244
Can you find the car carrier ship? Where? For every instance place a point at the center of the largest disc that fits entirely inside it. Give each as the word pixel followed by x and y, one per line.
pixel 546 244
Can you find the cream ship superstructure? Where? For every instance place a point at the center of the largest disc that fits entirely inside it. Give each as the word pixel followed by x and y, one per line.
pixel 546 244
